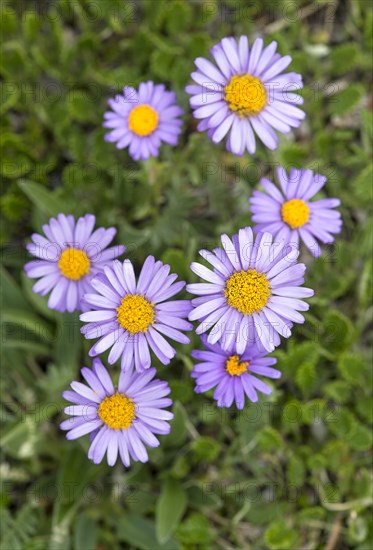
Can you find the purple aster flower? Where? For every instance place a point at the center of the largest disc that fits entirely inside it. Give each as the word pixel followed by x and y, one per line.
pixel 69 255
pixel 246 92
pixel 232 373
pixel 131 317
pixel 251 294
pixel 142 120
pixel 120 420
pixel 290 214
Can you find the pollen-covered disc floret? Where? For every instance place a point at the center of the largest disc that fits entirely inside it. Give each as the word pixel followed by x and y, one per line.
pixel 290 214
pixel 119 420
pixel 68 256
pixel 252 293
pixel 246 95
pixel 234 366
pixel 234 375
pixel 74 264
pixel 247 291
pixel 142 119
pixel 132 317
pixel 295 213
pixel 245 92
pixel 117 411
pixel 135 314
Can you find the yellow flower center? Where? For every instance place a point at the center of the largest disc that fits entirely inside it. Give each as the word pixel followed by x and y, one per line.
pixel 135 313
pixel 247 291
pixel 246 95
pixel 74 264
pixel 235 367
pixel 143 120
pixel 295 213
pixel 117 411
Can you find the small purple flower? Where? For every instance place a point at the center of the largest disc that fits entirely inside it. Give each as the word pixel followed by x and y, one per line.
pixel 142 120
pixel 130 317
pixel 251 294
pixel 232 373
pixel 290 214
pixel 246 92
pixel 120 420
pixel 68 257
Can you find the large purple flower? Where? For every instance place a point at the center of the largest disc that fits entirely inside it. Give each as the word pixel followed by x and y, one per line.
pixel 68 257
pixel 130 317
pixel 142 120
pixel 246 92
pixel 253 292
pixel 234 375
pixel 120 420
pixel 290 214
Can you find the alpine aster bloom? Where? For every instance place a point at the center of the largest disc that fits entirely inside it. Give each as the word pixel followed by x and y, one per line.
pixel 142 120
pixel 251 294
pixel 69 255
pixel 290 214
pixel 130 317
pixel 233 374
pixel 120 420
pixel 246 92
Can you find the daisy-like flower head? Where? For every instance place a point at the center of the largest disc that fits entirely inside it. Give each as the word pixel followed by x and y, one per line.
pixel 253 292
pixel 233 374
pixel 246 93
pixel 69 255
pixel 142 120
pixel 291 214
pixel 120 420
pixel 130 317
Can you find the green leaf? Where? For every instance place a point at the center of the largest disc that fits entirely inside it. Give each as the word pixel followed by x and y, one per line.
pixel 338 390
pixel 140 533
pixel 296 471
pixel 344 101
pixel 21 439
pixel 337 331
pixel 178 426
pixel 363 183
pixel 205 448
pixel 43 199
pixel 352 367
pixel 195 530
pixel 85 533
pixel 343 57
pixel 178 16
pixel 69 340
pixel 11 294
pixel 170 509
pixel 29 321
pixel 73 478
pixel 365 408
pixel 270 439
pixel 279 537
pixel 305 378
pixel 361 438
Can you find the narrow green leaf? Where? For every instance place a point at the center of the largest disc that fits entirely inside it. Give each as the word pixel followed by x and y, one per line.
pixel 140 533
pixel 43 199
pixel 85 534
pixel 170 509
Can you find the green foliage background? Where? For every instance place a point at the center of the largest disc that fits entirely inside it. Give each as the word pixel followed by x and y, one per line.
pixel 292 472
